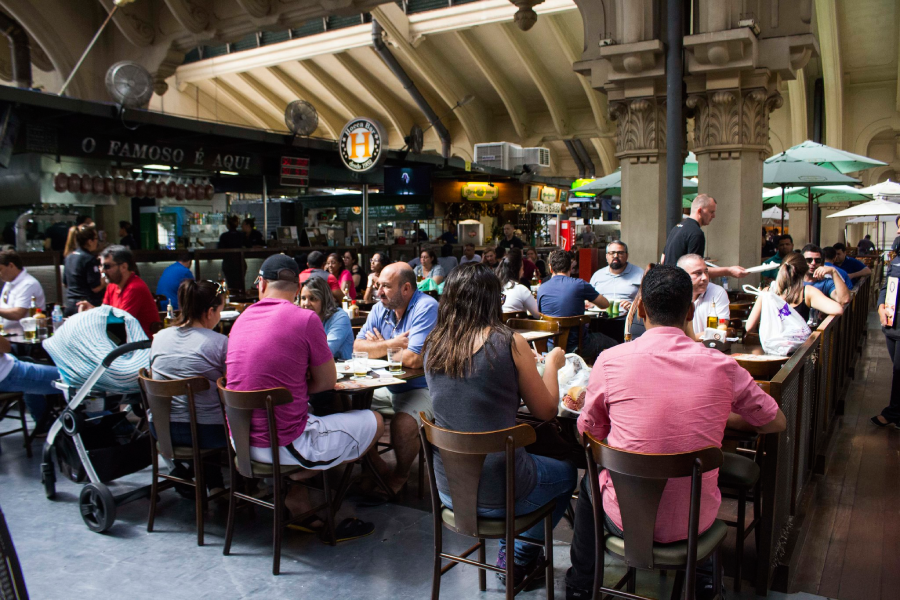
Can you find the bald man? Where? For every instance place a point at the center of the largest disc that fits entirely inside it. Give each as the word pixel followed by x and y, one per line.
pixel 403 318
pixel 688 238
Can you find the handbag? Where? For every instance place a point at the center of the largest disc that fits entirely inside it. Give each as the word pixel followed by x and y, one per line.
pixel 781 329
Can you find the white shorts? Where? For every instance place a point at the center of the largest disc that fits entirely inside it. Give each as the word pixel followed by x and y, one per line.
pixel 326 442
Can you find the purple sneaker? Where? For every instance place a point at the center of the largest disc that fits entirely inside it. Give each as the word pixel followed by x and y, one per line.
pixel 521 572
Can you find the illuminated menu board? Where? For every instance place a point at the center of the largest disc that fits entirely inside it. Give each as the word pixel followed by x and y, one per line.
pixel 294 171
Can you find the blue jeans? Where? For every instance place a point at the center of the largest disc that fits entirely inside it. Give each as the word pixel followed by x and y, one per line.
pixel 36 381
pixel 555 480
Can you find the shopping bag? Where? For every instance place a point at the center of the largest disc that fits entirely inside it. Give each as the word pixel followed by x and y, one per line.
pixel 781 329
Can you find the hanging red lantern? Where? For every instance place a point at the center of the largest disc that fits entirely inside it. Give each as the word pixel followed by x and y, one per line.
pixel 87 184
pixel 171 189
pixel 74 184
pixel 108 186
pixel 210 191
pixel 97 184
pixel 130 187
pixel 61 182
pixel 151 189
pixel 120 187
pixel 160 189
pixel 140 189
pixel 182 191
pixel 190 191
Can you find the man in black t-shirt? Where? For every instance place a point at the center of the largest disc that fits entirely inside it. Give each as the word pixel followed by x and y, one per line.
pixel 509 238
pixel 688 238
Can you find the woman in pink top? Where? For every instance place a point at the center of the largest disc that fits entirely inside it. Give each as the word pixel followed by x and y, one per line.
pixel 335 266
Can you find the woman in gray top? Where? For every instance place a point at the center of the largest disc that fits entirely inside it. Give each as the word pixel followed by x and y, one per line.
pixel 477 370
pixel 191 348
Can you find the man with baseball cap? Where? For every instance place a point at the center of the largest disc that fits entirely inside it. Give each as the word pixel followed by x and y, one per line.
pixel 275 343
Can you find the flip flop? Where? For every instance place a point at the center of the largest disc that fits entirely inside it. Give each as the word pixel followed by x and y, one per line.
pixel 349 529
pixel 307 525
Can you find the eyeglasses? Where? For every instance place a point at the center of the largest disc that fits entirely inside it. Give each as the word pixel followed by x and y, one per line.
pixel 108 266
pixel 220 289
pixel 812 261
pixel 616 252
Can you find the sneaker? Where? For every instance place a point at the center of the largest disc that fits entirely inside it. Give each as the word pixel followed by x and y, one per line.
pixel 520 572
pixel 573 593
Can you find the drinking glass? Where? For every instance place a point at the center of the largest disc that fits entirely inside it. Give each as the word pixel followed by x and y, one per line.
pixel 29 325
pixel 395 360
pixel 360 364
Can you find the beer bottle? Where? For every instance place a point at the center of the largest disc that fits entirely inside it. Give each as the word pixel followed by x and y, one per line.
pixel 170 316
pixel 535 283
pixel 32 310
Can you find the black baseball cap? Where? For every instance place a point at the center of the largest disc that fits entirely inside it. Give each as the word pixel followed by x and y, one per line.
pixel 274 267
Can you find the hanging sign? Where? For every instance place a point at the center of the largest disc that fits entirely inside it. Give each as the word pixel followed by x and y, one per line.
pixel 479 192
pixel 546 208
pixel 361 144
pixel 548 194
pixel 294 171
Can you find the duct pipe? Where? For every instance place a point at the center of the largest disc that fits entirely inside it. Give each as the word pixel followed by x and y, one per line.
pixel 410 87
pixel 574 154
pixel 19 50
pixel 585 158
pixel 674 111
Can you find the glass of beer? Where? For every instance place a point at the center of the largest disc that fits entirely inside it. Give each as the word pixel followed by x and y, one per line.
pixel 29 326
pixel 395 360
pixel 360 364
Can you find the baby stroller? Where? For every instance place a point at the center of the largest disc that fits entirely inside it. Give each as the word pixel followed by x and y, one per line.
pixel 98 353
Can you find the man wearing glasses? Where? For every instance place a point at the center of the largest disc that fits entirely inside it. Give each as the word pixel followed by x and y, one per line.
pixel 128 292
pixel 620 280
pixel 826 279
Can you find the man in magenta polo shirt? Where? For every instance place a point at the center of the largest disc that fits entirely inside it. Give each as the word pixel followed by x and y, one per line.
pixel 662 394
pixel 275 343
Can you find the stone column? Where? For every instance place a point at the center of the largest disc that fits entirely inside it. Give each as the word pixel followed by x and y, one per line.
pixel 731 141
pixel 641 150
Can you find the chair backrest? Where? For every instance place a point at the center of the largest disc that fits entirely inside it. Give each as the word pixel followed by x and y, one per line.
pixel 11 578
pixel 238 306
pixel 518 314
pixel 239 407
pixel 566 325
pixel 639 480
pixel 462 455
pixel 158 394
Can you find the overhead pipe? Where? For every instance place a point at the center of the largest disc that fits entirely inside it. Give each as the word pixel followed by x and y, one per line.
pixel 19 49
pixel 574 154
pixel 585 158
pixel 397 69
pixel 674 111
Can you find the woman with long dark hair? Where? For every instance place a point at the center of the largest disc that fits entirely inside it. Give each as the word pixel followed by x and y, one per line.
pixel 190 348
pixel 82 272
pixel 518 297
pixel 316 296
pixel 334 264
pixel 429 267
pixel 356 271
pixel 378 262
pixel 478 370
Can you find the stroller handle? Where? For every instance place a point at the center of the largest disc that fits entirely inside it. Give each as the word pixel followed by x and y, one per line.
pixel 124 349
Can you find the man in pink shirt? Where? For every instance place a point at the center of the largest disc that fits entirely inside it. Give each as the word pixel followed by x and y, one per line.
pixel 275 343
pixel 662 394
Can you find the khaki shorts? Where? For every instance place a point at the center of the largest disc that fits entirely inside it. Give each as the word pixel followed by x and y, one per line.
pixel 412 403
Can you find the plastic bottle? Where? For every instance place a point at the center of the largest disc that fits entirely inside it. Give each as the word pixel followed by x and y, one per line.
pixel 354 310
pixel 57 317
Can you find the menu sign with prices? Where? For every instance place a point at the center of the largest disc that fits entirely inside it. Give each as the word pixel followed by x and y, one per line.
pixel 294 171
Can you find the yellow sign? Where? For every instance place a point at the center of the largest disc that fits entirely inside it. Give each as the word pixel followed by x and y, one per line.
pixel 361 145
pixel 548 194
pixel 468 165
pixel 480 192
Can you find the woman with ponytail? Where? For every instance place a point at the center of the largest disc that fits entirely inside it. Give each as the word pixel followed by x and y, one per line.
pixel 789 285
pixel 190 348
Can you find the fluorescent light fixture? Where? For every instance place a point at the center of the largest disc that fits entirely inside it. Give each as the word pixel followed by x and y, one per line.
pixel 345 191
pixel 136 170
pixel 228 173
pixel 158 167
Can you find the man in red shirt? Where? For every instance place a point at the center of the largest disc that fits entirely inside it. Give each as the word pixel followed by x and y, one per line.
pixel 316 262
pixel 128 292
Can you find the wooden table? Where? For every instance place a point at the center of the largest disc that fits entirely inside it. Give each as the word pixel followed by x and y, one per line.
pixel 29 349
pixel 539 338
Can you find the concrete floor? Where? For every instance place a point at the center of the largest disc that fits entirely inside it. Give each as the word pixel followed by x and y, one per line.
pixel 61 558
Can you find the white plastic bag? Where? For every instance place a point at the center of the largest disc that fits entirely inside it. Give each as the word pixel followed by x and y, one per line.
pixel 781 329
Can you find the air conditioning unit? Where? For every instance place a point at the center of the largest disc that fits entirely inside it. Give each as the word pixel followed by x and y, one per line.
pixel 536 158
pixel 500 155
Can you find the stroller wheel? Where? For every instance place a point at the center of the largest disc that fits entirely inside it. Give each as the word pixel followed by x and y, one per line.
pixel 98 507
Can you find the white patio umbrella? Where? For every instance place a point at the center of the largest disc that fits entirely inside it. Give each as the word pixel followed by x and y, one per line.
pixel 875 208
pixel 773 215
pixel 884 189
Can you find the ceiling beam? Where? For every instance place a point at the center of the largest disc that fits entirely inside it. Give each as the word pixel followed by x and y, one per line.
pixel 242 106
pixel 343 97
pixel 512 100
pixel 133 22
pixel 191 16
pixel 606 150
pixel 474 116
pixel 390 106
pixel 527 57
pixel 797 101
pixel 832 71
pixel 328 119
pixel 566 41
pixel 271 98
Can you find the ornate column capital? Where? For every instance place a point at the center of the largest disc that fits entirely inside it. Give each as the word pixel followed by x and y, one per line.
pixel 640 128
pixel 732 120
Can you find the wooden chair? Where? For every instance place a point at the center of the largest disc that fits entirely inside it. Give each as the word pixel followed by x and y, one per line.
pixel 463 457
pixel 238 408
pixel 519 314
pixel 157 395
pixel 639 480
pixel 739 475
pixel 12 582
pixel 238 306
pixel 7 401
pixel 161 301
pixel 543 326
pixel 156 327
pixel 566 325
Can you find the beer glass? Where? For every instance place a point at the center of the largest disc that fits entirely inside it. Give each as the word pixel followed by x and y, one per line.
pixel 360 364
pixel 29 325
pixel 395 360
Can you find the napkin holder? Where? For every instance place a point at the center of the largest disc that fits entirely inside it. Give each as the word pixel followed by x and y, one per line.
pixel 716 339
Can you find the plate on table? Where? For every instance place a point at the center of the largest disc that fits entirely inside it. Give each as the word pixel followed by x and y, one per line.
pixel 228 315
pixel 347 367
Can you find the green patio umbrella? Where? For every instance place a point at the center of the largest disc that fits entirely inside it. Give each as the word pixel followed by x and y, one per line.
pixel 820 193
pixel 786 172
pixel 828 157
pixel 689 169
pixel 611 185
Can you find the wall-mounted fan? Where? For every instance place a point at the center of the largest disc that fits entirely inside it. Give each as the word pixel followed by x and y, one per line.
pixel 130 84
pixel 301 118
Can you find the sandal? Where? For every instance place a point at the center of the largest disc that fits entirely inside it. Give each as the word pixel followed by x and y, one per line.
pixel 349 529
pixel 308 525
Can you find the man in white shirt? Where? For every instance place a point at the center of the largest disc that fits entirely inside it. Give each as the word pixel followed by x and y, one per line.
pixel 620 280
pixel 18 289
pixel 469 254
pixel 709 299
